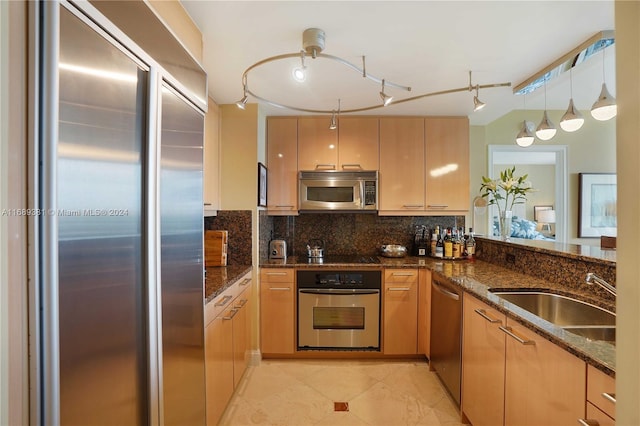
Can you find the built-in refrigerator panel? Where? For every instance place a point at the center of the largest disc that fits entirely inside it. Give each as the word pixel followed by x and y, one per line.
pixel 182 263
pixel 117 300
pixel 101 274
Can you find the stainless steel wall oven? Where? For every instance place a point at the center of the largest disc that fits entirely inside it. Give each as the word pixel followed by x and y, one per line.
pixel 339 310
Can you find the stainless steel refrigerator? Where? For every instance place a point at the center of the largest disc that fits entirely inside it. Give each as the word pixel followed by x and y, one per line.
pixel 118 315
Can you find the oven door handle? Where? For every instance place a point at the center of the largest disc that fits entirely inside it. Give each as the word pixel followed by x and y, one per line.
pixel 338 291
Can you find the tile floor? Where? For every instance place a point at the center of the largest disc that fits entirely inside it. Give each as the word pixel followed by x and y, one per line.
pixel 294 392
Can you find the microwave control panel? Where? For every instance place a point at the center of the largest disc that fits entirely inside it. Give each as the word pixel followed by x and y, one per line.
pixel 369 193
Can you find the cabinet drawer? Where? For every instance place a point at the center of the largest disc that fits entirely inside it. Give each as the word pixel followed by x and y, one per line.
pixel 220 303
pixel 401 276
pixel 601 418
pixel 598 384
pixel 277 275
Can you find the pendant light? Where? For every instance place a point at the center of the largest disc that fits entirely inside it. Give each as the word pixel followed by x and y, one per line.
pixel 572 120
pixel 334 120
pixel 605 107
pixel 386 99
pixel 525 137
pixel 546 129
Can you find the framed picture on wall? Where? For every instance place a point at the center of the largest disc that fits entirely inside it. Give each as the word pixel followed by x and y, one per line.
pixel 262 185
pixel 597 214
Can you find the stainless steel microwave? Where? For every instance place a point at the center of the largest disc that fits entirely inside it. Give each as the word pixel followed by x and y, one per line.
pixel 338 190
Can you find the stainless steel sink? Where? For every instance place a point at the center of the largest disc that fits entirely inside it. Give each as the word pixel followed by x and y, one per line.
pixel 597 332
pixel 559 310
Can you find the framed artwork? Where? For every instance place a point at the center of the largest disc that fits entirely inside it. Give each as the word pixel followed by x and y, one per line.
pixel 262 185
pixel 538 209
pixel 597 207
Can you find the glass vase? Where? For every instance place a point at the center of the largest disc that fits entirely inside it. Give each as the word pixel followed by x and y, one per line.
pixel 505 224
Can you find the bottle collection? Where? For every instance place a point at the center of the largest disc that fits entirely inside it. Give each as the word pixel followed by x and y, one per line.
pixel 445 243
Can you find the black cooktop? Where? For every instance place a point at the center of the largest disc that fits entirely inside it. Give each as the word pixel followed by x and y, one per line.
pixel 344 259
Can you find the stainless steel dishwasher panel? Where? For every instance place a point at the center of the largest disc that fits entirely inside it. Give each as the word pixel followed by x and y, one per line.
pixel 446 335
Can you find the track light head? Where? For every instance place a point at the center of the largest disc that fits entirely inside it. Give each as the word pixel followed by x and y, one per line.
pixel 478 104
pixel 242 103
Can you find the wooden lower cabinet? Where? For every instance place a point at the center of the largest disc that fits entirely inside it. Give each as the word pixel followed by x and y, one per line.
pixel 218 365
pixel 544 384
pixel 599 385
pixel 277 311
pixel 424 312
pixel 227 345
pixel 509 370
pixel 597 417
pixel 483 363
pixel 400 318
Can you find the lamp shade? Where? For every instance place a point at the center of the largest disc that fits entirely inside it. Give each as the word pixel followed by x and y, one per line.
pixel 547 216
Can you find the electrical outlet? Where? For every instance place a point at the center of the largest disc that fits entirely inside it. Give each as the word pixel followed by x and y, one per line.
pixel 511 258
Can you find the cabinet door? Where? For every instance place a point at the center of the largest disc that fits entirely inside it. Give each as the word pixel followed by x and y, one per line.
pixel 218 365
pixel 358 146
pixel 401 179
pixel 424 312
pixel 447 163
pixel 544 384
pixel 317 144
pixel 483 363
pixel 241 321
pixel 400 312
pixel 277 315
pixel 282 165
pixel 211 159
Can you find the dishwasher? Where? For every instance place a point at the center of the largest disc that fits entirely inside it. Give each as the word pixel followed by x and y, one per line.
pixel 446 334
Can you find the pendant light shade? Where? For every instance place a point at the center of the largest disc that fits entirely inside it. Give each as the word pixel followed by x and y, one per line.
pixel 572 120
pixel 605 107
pixel 478 104
pixel 525 137
pixel 546 129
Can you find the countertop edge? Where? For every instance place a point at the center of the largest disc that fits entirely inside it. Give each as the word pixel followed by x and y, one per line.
pixel 220 278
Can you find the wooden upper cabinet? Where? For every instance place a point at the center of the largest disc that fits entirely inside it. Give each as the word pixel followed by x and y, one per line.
pixel 447 163
pixel 401 180
pixel 282 165
pixel 358 143
pixel 317 144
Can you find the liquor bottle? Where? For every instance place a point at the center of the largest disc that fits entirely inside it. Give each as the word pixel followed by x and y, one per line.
pixel 440 247
pixel 448 244
pixel 456 252
pixel 471 245
pixel 434 240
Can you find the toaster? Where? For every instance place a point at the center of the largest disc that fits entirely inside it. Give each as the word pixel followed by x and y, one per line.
pixel 277 249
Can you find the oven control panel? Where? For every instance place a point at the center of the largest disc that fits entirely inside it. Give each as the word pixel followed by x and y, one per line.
pixel 339 279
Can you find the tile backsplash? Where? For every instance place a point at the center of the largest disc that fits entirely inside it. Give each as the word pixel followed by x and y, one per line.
pixel 346 233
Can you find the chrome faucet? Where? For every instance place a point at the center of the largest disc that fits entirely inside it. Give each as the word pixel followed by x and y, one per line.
pixel 591 278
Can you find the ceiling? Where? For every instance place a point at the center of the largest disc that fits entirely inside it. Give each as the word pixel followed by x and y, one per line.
pixel 428 45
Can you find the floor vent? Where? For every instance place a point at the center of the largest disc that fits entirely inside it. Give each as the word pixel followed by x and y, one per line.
pixel 340 406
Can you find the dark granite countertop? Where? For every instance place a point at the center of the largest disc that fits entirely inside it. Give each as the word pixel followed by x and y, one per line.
pixel 477 277
pixel 219 278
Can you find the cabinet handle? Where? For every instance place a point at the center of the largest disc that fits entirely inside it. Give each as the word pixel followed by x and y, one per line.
pixel 609 397
pixel 447 293
pixel 351 166
pixel 224 301
pixel 412 206
pixel 588 422
pixel 241 303
pixel 403 274
pixel 325 166
pixel 484 315
pixel 234 311
pixel 437 206
pixel 284 206
pixel 245 282
pixel 280 288
pixel 399 289
pixel 509 331
pixel 276 273
pixel 208 204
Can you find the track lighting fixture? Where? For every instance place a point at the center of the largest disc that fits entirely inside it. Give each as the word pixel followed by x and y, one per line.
pixel 546 129
pixel 334 120
pixel 313 41
pixel 386 99
pixel 242 103
pixel 605 107
pixel 477 103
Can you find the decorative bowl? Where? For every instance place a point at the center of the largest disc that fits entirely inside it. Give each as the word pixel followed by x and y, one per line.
pixel 393 250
